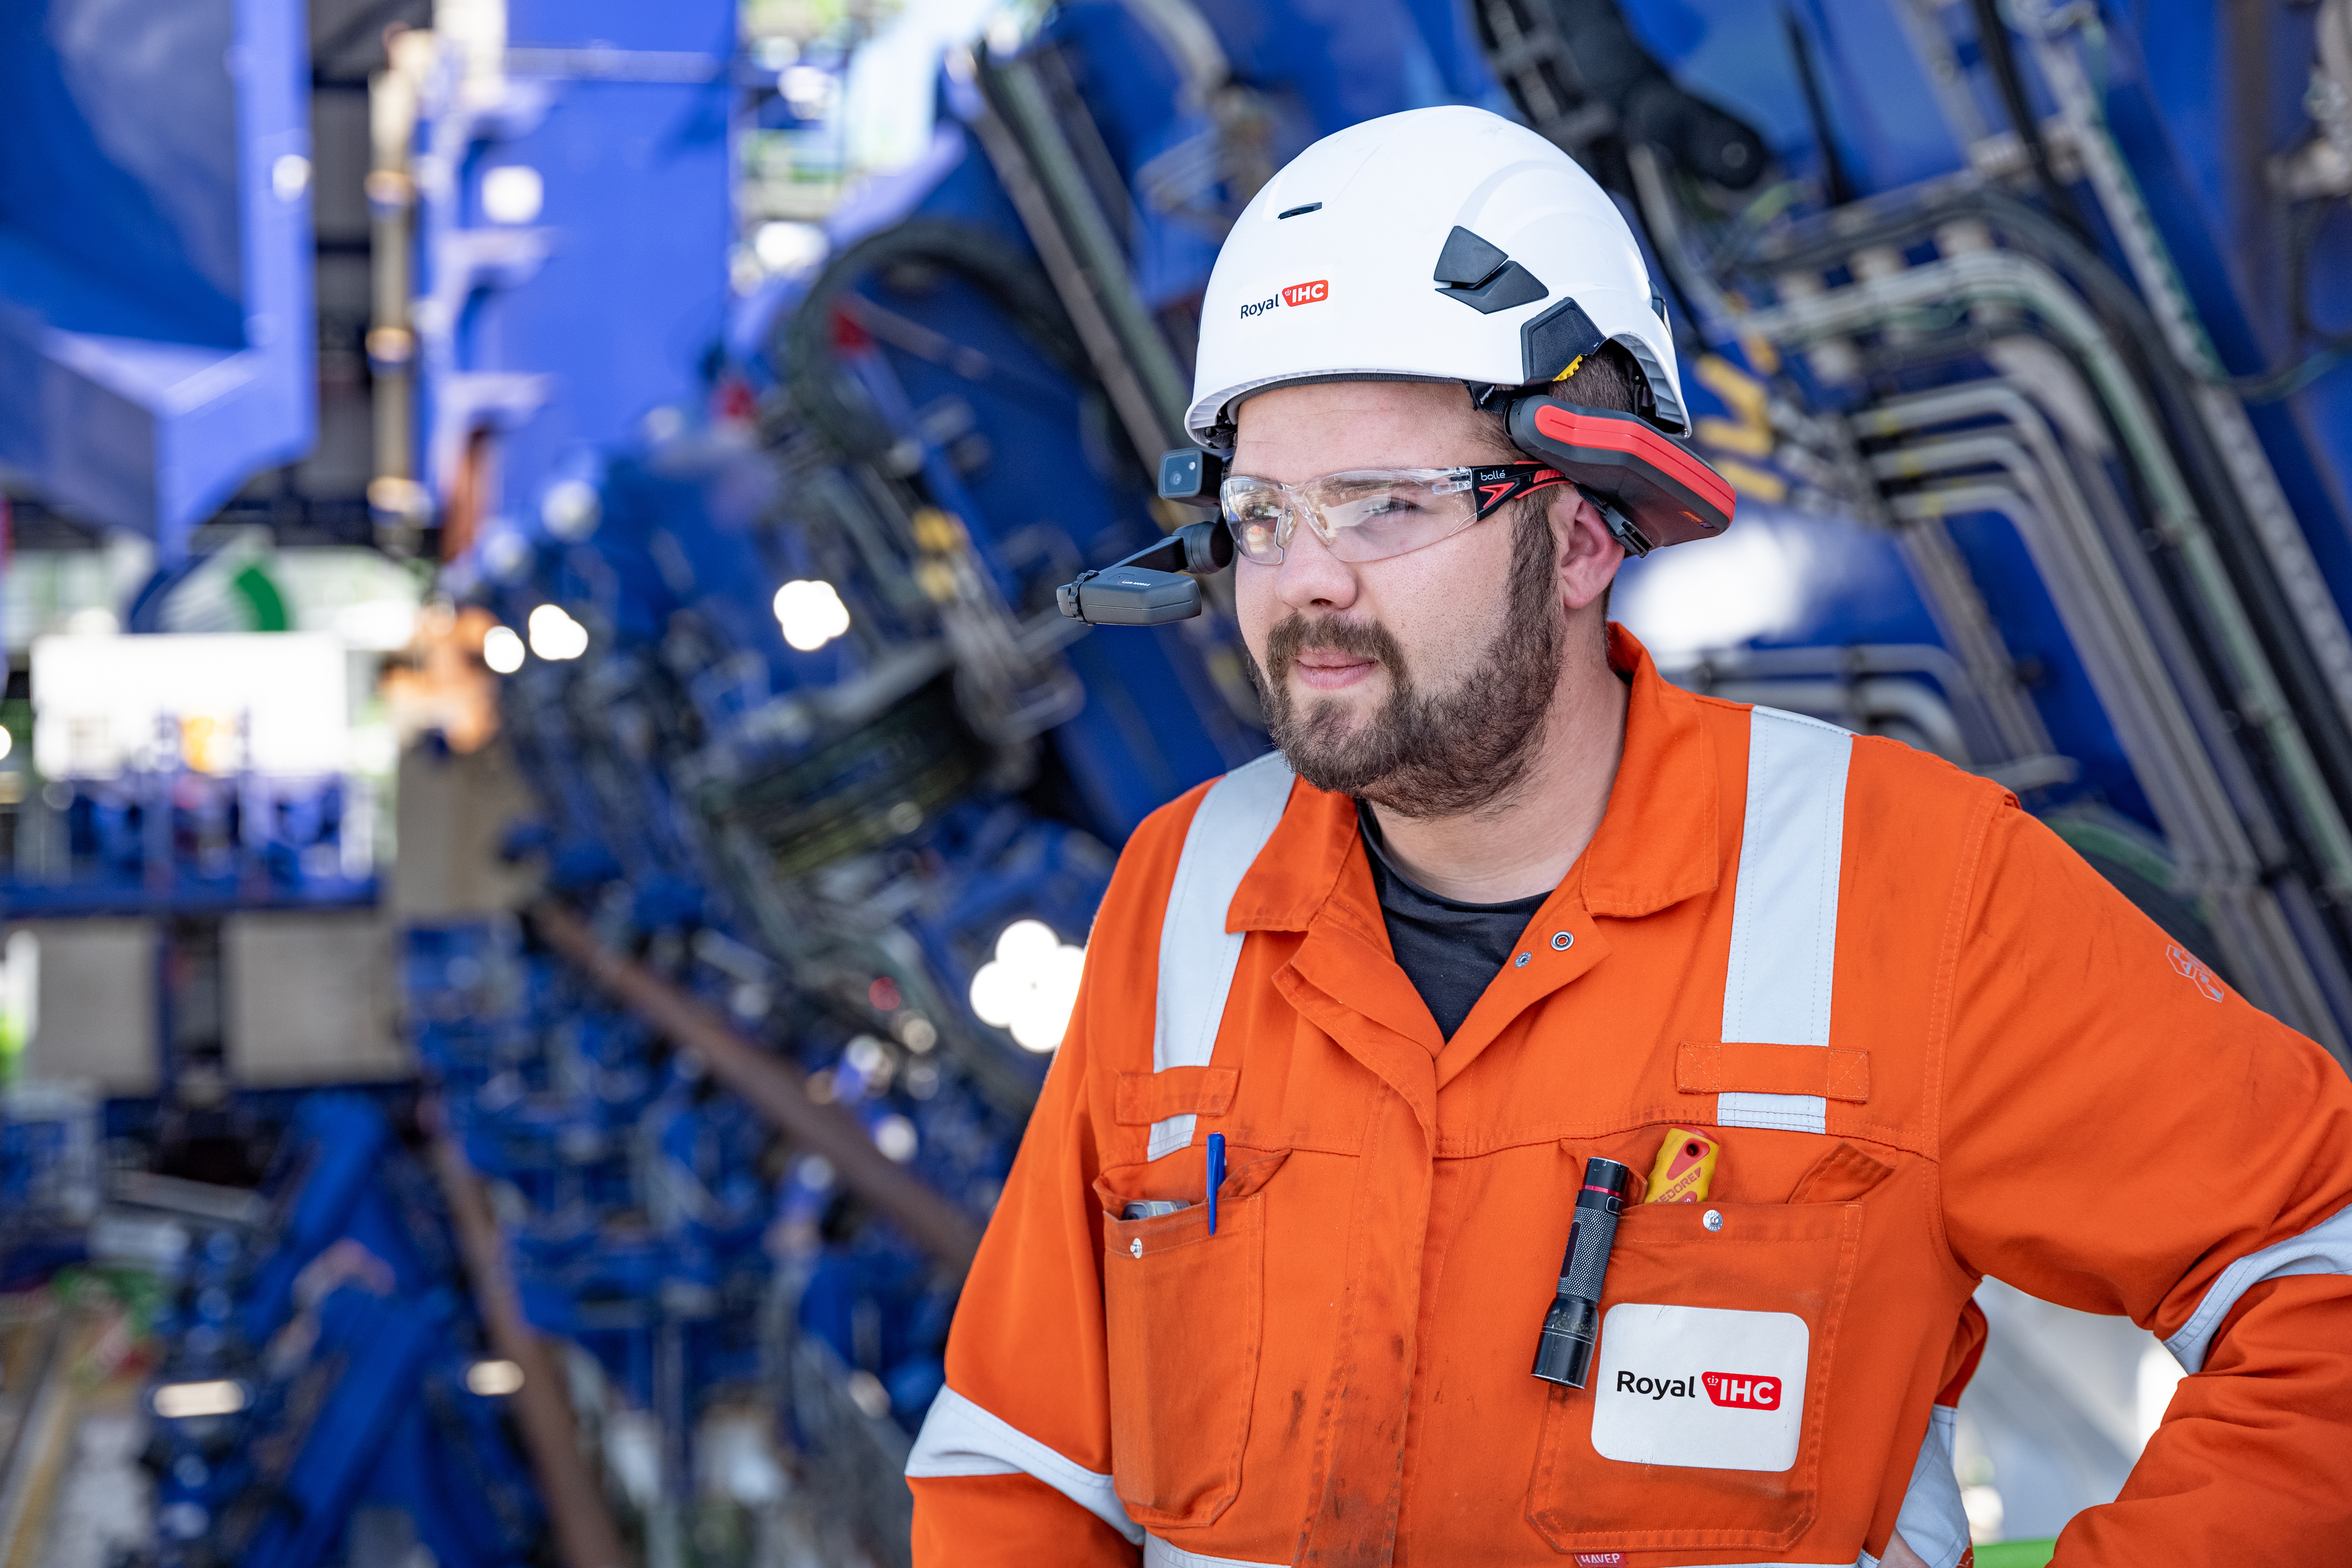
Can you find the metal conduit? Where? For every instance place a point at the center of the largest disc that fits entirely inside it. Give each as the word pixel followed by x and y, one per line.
pixel 1902 218
pixel 2240 931
pixel 1859 704
pixel 1958 611
pixel 2259 942
pixel 1088 267
pixel 2305 955
pixel 2011 400
pixel 1986 742
pixel 2212 848
pixel 1954 602
pixel 2123 617
pixel 1978 278
pixel 2113 643
pixel 2269 517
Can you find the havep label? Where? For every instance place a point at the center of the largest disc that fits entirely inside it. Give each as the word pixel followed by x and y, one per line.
pixel 1700 1387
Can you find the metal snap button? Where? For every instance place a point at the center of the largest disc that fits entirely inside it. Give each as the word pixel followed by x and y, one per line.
pixel 1712 1219
pixel 1135 1247
pixel 1561 941
pixel 1521 962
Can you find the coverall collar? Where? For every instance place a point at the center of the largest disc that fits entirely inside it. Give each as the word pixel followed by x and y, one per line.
pixel 1656 844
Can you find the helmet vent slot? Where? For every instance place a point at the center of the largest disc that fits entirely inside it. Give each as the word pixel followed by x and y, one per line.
pixel 1467 261
pixel 1480 276
pixel 1514 285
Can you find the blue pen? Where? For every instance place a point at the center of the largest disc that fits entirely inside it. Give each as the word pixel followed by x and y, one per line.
pixel 1216 1175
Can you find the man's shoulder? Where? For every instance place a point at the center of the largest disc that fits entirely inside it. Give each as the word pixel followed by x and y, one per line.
pixel 1882 764
pixel 1889 785
pixel 1913 809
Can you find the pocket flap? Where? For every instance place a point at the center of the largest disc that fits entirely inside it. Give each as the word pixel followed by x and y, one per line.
pixel 1840 1177
pixel 1707 1067
pixel 1144 1098
pixel 1184 1176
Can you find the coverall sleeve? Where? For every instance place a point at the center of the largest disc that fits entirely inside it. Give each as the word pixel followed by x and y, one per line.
pixel 2123 1133
pixel 1013 1465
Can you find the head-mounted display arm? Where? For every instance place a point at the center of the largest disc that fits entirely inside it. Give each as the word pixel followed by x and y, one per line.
pixel 1152 585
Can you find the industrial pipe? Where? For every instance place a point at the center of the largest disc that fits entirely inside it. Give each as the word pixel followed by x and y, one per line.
pixel 1975 278
pixel 2321 676
pixel 2268 514
pixel 775 1090
pixel 2169 676
pixel 2240 799
pixel 2110 629
pixel 584 1534
pixel 2253 920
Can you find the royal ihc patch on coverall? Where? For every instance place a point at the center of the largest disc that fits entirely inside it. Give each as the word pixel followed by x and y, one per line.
pixel 1702 1387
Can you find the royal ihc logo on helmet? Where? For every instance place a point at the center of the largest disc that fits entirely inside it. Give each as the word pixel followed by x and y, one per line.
pixel 1313 293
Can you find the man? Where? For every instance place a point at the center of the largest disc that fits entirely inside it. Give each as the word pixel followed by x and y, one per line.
pixel 1524 908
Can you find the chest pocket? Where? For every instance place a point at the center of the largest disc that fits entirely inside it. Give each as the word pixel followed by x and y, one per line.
pixel 1702 1424
pixel 1184 1315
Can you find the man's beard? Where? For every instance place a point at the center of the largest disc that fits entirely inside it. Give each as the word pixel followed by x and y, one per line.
pixel 1426 754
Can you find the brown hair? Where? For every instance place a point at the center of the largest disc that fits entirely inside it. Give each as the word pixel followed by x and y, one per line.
pixel 1608 378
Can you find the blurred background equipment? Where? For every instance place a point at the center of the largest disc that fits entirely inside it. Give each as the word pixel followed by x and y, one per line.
pixel 548 818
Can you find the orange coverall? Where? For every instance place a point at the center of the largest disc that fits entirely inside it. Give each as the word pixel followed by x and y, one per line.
pixel 2012 1073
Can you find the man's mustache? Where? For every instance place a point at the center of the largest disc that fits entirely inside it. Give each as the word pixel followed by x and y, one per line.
pixel 1296 634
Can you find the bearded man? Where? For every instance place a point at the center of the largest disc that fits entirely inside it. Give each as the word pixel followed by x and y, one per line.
pixel 1511 936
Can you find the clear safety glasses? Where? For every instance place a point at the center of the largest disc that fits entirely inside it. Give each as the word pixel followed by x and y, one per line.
pixel 1371 514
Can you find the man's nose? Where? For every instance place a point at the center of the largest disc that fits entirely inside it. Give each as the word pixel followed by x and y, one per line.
pixel 1310 576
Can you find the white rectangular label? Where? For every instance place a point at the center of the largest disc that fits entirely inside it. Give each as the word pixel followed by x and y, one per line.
pixel 1700 1387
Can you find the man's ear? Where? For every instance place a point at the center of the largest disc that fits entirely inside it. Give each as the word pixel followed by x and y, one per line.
pixel 1589 554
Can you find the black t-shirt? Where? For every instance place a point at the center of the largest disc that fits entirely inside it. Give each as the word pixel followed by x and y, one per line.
pixel 1450 951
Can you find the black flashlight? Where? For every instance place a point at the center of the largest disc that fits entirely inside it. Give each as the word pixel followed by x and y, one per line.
pixel 1572 1327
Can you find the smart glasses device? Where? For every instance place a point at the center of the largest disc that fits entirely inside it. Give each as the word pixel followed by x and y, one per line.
pixel 1371 514
pixel 1650 489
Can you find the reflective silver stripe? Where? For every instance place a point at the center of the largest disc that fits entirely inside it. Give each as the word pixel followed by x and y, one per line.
pixel 1197 955
pixel 1933 1523
pixel 960 1439
pixel 2325 1248
pixel 1784 909
pixel 1783 1112
pixel 1157 1553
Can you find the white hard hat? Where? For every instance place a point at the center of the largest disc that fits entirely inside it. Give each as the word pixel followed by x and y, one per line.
pixel 1436 244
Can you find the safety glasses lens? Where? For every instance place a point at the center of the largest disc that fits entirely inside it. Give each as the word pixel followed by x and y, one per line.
pixel 1259 515
pixel 1372 516
pixel 1360 516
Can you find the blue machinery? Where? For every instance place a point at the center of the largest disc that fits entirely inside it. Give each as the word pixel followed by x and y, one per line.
pixel 2012 326
pixel 156 345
